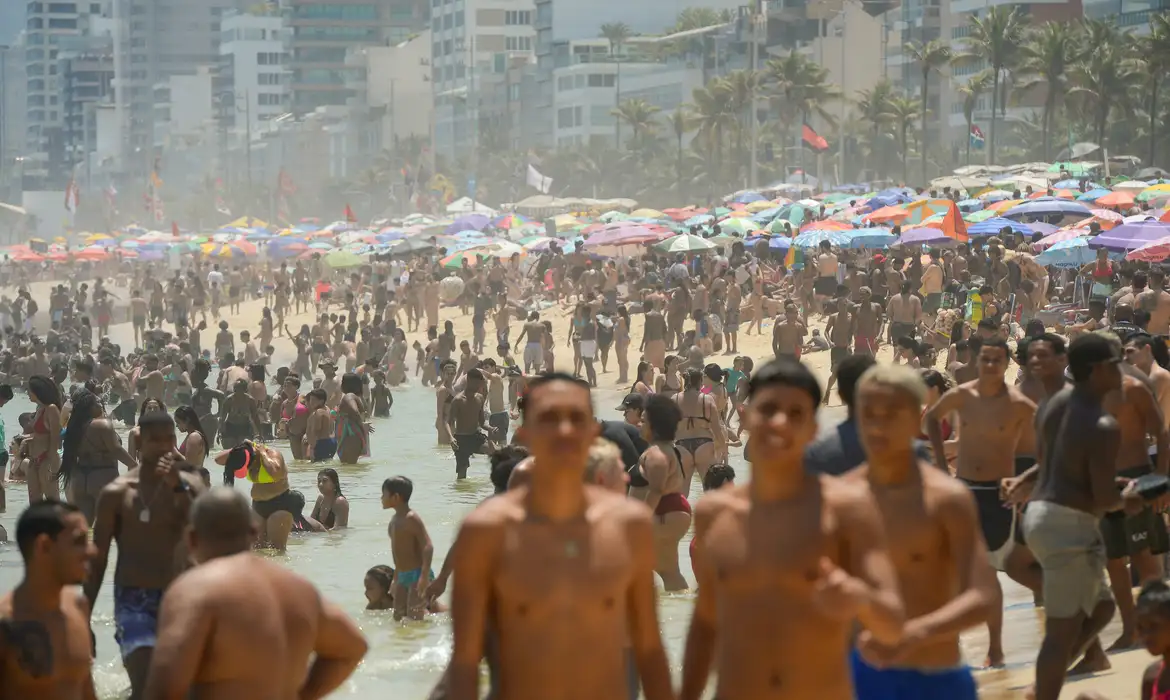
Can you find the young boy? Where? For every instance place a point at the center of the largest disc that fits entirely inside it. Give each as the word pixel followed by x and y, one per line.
pixel 381 396
pixel 411 547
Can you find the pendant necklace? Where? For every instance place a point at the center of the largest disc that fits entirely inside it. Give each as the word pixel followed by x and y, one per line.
pixel 144 516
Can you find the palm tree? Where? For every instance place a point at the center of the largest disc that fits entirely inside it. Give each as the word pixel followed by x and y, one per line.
pixel 995 39
pixel 1107 77
pixel 640 115
pixel 1156 49
pixel 1045 58
pixel 617 34
pixel 930 57
pixel 873 106
pixel 971 91
pixel 712 120
pixel 742 87
pixel 903 110
pixel 800 88
pixel 679 121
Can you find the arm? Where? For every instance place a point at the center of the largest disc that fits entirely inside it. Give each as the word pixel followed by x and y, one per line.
pixel 311 430
pixel 1102 456
pixel 105 528
pixel 947 404
pixel 53 419
pixel 184 630
pixel 471 599
pixel 642 617
pixel 699 652
pixel 341 514
pixel 338 648
pixel 115 445
pixel 428 552
pixel 1156 427
pixel 868 560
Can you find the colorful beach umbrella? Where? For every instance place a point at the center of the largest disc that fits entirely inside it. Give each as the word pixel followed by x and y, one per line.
pixel 339 259
pixel 684 243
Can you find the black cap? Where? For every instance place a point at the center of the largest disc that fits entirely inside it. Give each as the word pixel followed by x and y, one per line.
pixel 635 401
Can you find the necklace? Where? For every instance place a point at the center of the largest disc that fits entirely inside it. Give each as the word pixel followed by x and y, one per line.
pixel 144 516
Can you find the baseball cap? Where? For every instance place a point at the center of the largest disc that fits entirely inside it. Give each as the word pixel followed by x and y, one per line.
pixel 632 401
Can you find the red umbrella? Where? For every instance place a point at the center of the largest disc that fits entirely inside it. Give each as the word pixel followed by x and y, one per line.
pixel 91 254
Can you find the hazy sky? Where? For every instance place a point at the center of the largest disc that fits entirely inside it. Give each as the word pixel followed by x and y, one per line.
pixel 11 20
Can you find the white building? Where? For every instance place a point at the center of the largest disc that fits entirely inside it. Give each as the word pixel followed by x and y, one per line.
pixel 472 42
pixel 395 89
pixel 253 85
pixel 183 107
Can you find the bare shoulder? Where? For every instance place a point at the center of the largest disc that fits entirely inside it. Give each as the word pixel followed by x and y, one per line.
pixel 845 490
pixel 496 512
pixel 948 491
pixel 715 503
pixel 1020 399
pixel 607 504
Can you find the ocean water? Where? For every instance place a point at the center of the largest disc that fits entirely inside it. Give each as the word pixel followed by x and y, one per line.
pixel 408 657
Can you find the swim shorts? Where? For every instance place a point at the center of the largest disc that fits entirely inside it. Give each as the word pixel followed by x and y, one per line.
pixel 836 354
pixel 997 521
pixel 499 423
pixel 136 618
pixel 871 683
pixel 325 449
pixel 1126 535
pixel 1068 546
pixel 1023 464
pixel 409 578
pixel 533 355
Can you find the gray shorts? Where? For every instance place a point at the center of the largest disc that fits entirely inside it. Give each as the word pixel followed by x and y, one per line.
pixel 1068 545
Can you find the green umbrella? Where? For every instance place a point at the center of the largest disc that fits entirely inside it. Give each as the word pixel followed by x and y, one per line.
pixel 837 197
pixel 684 243
pixel 781 226
pixel 719 212
pixel 740 226
pixel 609 216
pixel 1074 169
pixel 724 239
pixel 981 215
pixel 342 259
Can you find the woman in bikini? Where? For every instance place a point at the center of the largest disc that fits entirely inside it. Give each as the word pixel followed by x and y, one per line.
pixel 699 427
pixel 194 447
pixel 239 416
pixel 353 433
pixel 668 383
pixel 644 380
pixel 331 508
pixel 621 343
pixel 44 439
pixel 663 486
pixel 714 378
pixel 148 406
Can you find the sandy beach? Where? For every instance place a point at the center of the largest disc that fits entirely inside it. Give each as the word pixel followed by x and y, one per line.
pixel 1023 622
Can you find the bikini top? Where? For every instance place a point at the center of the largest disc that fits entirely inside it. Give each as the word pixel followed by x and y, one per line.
pixel 638 479
pixel 41 425
pixel 691 419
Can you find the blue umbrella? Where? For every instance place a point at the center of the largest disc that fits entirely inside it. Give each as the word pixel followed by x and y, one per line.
pixel 476 222
pixel 1131 236
pixel 259 235
pixel 1048 206
pixel 699 220
pixel 992 226
pixel 970 205
pixel 1093 195
pixel 1072 184
pixel 286 240
pixel 767 215
pixel 780 243
pixel 875 237
pixel 748 197
pixel 813 238
pixel 1074 252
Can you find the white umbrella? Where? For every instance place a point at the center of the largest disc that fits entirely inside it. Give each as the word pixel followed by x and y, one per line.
pixel 684 243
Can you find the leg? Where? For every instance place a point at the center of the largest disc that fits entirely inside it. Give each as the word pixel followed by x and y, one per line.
pixel 1088 642
pixel 590 373
pixel 1052 661
pixel 1022 568
pixel 995 656
pixel 401 600
pixel 137 666
pixel 669 529
pixel 416 605
pixel 1119 583
pixel 277 528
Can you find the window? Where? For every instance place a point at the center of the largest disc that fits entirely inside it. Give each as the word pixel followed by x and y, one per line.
pixel 436 24
pixel 458 18
pixel 565 118
pixel 331 11
pixel 269 99
pixel 565 83
pixel 62 8
pixel 269 79
pixel 597 80
pixel 518 17
pixel 62 23
pixel 95 8
pixel 448 21
pixel 518 43
pixel 268 58
pixel 447 47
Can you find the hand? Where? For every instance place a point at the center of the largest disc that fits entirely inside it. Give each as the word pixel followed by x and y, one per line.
pixel 838 594
pixel 1132 501
pixel 436 588
pixel 369 428
pixel 421 587
pixel 454 444
pixel 1015 491
pixel 881 655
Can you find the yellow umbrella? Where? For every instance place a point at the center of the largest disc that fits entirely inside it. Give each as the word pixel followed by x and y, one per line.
pixel 565 221
pixel 757 207
pixel 248 222
pixel 647 214
pixel 95 237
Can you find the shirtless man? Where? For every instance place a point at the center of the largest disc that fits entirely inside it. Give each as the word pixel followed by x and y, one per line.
pixel 466 431
pixel 932 527
pixel 818 539
pixel 236 600
pixel 788 334
pixel 443 395
pixel 839 330
pixel 331 383
pixel 1074 485
pixel 138 311
pixel 601 602
pixel 653 346
pixel 45 641
pixel 145 510
pixel 993 418
pixel 1156 302
pixel 905 311
pixel 499 419
pixel 1139 352
pixel 867 324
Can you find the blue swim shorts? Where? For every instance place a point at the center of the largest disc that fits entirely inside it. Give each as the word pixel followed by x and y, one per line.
pixel 410 578
pixel 136 618
pixel 871 683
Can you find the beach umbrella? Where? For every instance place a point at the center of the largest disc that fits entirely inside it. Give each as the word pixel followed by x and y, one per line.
pixel 888 214
pixel 471 257
pixel 1093 194
pixel 410 246
pixel 647 214
pixel 236 249
pixel 699 220
pixel 684 243
pixel 740 226
pixel 1155 251
pixel 94 253
pixel 509 221
pixel 339 259
pixel 1153 192
pixel 284 252
pixel 1107 218
pixel 958 182
pixel 994 196
pixel 980 216
pixel 992 227
pixel 609 216
pixel 970 205
pixel 747 197
pixel 1065 234
pixel 1131 236
pixel 1131 185
pixel 725 239
pixel 1047 207
pixel 475 222
pixel 813 238
pixel 537 243
pixel 875 237
pixel 1073 252
pixel 320 245
pixel 925 236
pixel 635 234
pixel 1070 184
pixel 1121 198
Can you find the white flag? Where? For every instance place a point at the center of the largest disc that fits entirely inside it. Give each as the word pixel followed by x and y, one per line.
pixel 540 182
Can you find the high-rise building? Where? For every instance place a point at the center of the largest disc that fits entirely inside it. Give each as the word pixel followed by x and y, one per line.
pixel 13 109
pixel 1127 14
pixel 11 20
pixel 85 67
pixel 321 32
pixel 252 85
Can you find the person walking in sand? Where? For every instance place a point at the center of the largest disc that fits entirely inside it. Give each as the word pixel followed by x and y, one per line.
pixel 411 547
pixel 818 538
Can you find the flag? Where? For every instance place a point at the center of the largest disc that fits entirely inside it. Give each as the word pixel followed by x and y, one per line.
pixel 222 207
pixel 538 181
pixel 812 139
pixel 72 195
pixel 794 260
pixel 976 137
pixel 175 229
pixel 111 193
pixel 953 225
pixel 350 217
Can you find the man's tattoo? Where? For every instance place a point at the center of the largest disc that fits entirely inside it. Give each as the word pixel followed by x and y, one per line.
pixel 30 640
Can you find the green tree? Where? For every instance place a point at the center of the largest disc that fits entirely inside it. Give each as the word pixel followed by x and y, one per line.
pixel 617 34
pixel 995 39
pixel 712 121
pixel 800 88
pixel 873 106
pixel 971 91
pixel 680 123
pixel 930 57
pixel 1045 57
pixel 1155 50
pixel 640 115
pixel 1107 78
pixel 903 110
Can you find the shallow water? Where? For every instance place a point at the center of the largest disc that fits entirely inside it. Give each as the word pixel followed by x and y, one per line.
pixel 408 657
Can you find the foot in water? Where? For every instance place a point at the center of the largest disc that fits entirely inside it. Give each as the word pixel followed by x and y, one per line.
pixel 1094 661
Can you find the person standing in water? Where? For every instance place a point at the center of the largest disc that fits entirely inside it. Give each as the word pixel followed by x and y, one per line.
pixel 45 639
pixel 819 539
pixel 932 526
pixel 353 432
pixel 144 511
pixel 332 507
pixel 505 582
pixel 235 600
pixel 320 442
pixel 666 484
pixel 467 433
pixel 44 440
pixel 412 549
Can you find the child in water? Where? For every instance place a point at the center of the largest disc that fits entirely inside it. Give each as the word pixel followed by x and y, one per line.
pixel 379 584
pixel 412 549
pixel 381 396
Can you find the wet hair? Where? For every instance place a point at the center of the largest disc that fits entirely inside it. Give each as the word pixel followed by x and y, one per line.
pixel 142 409
pixel 903 379
pixel 257 372
pixel 642 367
pixel 384 575
pixel 80 417
pixel 190 417
pixel 351 383
pixel 936 380
pixel 399 486
pixel 662 415
pixel 331 474
pixel 788 372
pixel 448 363
pixel 693 379
pixel 540 380
pixel 41 518
pixel 317 394
pixel 6 392
pixel 503 461
pixel 1057 343
pixel 45 389
pixel 717 476
pixel 849 372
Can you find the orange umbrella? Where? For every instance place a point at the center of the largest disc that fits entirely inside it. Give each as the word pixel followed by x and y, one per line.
pixel 886 214
pixel 1060 194
pixel 1121 198
pixel 1006 204
pixel 826 225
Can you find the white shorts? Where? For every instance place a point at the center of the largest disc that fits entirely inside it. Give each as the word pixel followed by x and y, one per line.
pixel 588 348
pixel 533 355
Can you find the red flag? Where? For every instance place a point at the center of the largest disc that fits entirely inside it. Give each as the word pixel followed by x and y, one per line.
pixel 812 139
pixel 175 229
pixel 350 217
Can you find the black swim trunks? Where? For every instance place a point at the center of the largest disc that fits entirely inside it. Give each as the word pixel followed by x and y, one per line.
pixel 1126 535
pixel 997 521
